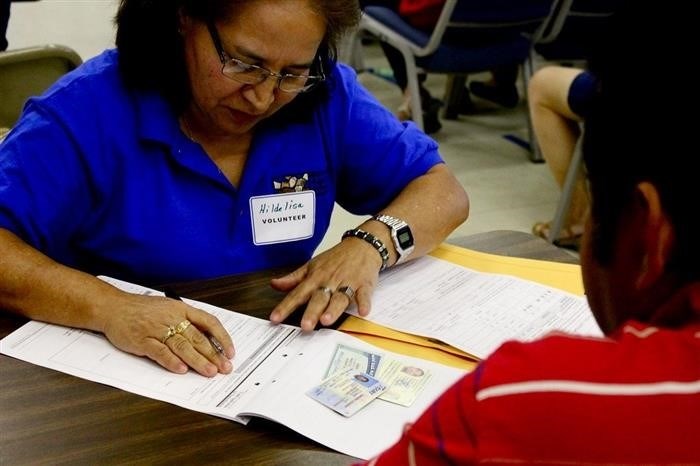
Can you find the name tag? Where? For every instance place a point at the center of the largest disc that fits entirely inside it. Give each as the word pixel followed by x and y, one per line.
pixel 281 218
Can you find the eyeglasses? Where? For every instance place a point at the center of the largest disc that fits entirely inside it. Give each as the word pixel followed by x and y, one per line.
pixel 246 73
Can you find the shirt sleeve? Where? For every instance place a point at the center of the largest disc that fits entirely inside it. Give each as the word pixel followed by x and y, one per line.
pixel 378 154
pixel 443 434
pixel 44 190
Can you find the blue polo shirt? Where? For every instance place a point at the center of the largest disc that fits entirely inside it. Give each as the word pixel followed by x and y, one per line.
pixel 101 178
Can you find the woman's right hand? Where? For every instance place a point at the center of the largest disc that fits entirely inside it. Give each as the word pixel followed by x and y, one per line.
pixel 157 327
pixel 37 287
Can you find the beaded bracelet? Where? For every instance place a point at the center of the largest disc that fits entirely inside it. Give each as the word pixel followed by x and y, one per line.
pixel 374 241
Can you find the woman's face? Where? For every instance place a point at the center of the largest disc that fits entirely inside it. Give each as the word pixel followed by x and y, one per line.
pixel 281 36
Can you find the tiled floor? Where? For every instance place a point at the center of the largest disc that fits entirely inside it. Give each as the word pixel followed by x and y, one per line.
pixel 85 25
pixel 507 191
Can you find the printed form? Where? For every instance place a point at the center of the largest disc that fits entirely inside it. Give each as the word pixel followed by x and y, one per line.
pixel 473 311
pixel 274 367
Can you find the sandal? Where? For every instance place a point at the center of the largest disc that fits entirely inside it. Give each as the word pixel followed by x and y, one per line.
pixel 569 236
pixel 403 113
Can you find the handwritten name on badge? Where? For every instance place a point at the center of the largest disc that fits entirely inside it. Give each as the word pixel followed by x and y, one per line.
pixel 280 218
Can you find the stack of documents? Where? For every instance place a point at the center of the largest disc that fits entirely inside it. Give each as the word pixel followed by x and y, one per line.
pixel 472 311
pixel 274 368
pixel 285 375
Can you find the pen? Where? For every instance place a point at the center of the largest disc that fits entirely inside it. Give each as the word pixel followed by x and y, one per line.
pixel 170 293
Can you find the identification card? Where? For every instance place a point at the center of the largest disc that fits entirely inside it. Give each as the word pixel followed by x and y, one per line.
pixel 347 392
pixel 281 218
pixel 346 358
pixel 404 382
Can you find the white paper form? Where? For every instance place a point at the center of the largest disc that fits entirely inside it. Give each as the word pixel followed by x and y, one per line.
pixel 367 433
pixel 260 350
pixel 473 311
pixel 274 367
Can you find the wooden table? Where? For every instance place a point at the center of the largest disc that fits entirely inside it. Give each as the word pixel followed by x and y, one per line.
pixel 47 417
pixel 516 244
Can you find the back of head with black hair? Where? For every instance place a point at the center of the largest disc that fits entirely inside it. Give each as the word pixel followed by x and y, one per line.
pixel 642 126
pixel 151 50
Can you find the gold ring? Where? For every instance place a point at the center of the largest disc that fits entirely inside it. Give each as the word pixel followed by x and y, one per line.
pixel 182 326
pixel 347 291
pixel 325 289
pixel 170 333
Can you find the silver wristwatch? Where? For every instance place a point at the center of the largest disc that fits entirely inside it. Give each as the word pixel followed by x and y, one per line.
pixel 401 235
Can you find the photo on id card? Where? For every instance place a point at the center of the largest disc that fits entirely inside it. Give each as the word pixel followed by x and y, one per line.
pixel 404 382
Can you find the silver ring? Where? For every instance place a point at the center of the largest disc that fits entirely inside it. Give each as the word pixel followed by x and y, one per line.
pixel 347 291
pixel 326 290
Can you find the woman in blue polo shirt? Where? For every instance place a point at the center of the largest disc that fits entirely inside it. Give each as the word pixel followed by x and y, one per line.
pixel 213 141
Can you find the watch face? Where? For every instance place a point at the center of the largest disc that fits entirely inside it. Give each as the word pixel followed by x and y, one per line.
pixel 405 237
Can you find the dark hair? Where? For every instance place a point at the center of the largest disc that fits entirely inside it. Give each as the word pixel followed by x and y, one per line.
pixel 151 50
pixel 636 133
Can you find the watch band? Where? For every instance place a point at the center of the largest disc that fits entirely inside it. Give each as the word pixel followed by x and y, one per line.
pixel 374 241
pixel 401 235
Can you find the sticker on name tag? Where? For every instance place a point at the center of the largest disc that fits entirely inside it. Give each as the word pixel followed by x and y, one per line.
pixel 347 392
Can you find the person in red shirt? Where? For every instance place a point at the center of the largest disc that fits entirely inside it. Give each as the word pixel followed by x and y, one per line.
pixel 632 397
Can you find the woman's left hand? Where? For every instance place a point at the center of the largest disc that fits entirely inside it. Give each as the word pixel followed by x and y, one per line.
pixel 329 283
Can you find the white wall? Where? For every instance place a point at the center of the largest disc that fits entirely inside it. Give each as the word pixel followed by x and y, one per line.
pixel 87 26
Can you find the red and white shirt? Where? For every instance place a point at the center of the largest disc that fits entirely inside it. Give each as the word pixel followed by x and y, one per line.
pixel 631 398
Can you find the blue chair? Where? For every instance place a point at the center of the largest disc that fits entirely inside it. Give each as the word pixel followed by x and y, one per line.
pixel 573 30
pixel 470 36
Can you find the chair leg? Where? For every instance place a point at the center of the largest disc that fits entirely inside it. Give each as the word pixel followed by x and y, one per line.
pixel 350 50
pixel 567 191
pixel 413 88
pixel 453 94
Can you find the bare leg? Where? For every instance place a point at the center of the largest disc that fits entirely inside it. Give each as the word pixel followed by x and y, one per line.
pixel 557 129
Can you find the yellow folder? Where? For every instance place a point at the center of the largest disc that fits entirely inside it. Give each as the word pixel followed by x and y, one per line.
pixel 565 277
